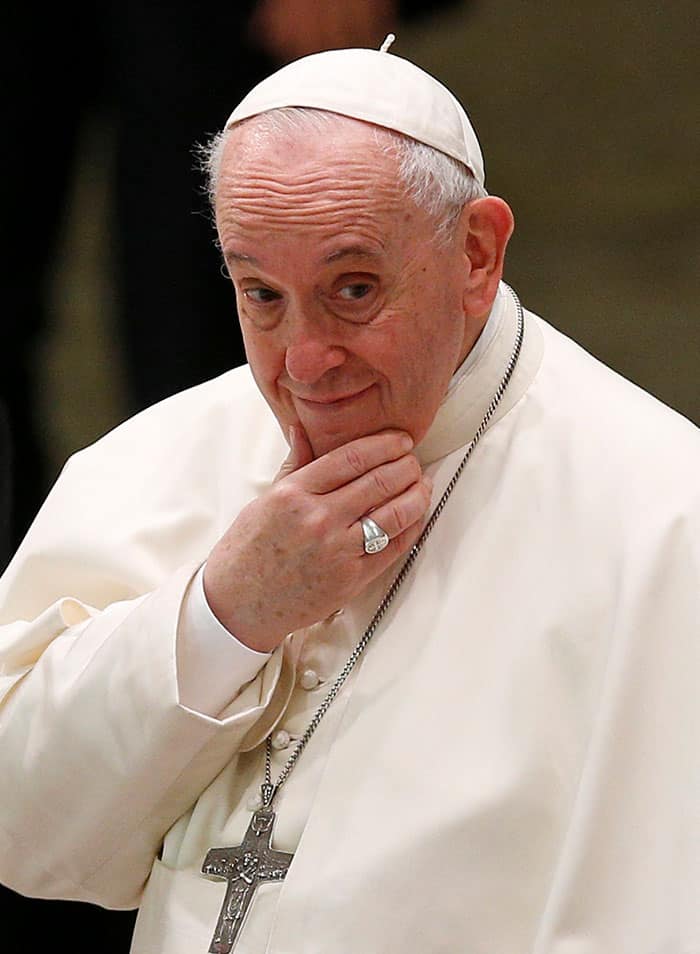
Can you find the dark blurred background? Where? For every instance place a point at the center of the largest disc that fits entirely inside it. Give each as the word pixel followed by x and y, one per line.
pixel 588 117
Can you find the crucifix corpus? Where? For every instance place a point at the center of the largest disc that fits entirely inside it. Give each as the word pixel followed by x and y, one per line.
pixel 245 866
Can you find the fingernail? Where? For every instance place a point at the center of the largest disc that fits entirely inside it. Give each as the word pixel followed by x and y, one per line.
pixel 406 442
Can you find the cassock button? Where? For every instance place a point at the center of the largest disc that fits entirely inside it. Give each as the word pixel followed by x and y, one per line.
pixel 281 739
pixel 309 679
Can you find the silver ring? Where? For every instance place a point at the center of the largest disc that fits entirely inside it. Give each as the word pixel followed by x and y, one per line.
pixel 375 538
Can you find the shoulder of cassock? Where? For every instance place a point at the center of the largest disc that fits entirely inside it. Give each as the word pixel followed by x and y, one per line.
pixel 154 493
pixel 614 472
pixel 637 454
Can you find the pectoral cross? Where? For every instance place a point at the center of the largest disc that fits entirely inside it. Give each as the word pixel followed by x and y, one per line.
pixel 244 867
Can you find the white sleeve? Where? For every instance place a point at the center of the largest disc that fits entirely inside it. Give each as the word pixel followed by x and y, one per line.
pixel 98 757
pixel 212 665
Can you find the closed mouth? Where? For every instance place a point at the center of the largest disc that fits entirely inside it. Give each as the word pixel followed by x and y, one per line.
pixel 333 401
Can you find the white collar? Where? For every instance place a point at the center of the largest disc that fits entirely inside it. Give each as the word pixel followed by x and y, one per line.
pixel 493 323
pixel 475 382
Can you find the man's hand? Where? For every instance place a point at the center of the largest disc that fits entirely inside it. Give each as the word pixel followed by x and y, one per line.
pixel 295 555
pixel 288 29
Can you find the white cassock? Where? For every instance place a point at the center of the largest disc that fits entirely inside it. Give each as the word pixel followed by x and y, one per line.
pixel 512 768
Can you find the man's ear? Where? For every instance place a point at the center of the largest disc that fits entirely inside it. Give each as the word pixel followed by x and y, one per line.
pixel 487 225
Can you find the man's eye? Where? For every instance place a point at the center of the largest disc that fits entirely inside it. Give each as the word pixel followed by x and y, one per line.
pixel 355 291
pixel 260 296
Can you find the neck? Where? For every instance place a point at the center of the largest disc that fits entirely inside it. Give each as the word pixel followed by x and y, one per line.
pixel 475 381
pixel 477 333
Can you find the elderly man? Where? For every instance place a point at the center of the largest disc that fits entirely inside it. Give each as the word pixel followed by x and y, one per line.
pixel 387 641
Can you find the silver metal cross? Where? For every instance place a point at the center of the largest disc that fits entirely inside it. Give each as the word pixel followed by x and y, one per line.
pixel 246 866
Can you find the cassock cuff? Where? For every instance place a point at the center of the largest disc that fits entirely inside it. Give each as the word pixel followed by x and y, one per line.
pixel 212 665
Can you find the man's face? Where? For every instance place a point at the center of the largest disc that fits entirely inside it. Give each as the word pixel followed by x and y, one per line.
pixel 352 315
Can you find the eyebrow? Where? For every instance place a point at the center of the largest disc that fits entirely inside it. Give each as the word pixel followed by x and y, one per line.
pixel 241 257
pixel 356 251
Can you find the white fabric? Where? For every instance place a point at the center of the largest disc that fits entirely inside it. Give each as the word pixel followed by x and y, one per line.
pixel 488 332
pixel 514 766
pixel 207 654
pixel 377 87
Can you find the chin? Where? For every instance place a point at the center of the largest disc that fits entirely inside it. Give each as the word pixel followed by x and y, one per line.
pixel 325 442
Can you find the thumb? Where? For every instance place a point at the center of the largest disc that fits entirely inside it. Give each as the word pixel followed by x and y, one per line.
pixel 300 452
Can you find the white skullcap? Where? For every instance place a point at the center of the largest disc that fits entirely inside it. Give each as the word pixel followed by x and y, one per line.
pixel 377 87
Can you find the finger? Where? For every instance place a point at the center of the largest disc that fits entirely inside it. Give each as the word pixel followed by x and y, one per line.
pixel 376 563
pixel 345 464
pixel 300 452
pixel 402 513
pixel 377 487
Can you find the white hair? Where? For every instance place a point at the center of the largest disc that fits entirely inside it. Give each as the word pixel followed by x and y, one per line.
pixel 437 183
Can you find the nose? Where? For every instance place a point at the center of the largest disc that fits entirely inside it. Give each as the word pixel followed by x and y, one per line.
pixel 311 352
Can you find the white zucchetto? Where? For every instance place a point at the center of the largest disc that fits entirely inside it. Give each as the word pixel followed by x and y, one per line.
pixel 377 87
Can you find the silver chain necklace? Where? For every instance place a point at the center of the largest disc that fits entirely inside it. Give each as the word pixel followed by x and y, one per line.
pixel 254 861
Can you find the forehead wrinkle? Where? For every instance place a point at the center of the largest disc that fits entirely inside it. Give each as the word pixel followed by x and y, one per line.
pixel 328 175
pixel 338 193
pixel 337 208
pixel 253 195
pixel 298 158
pixel 341 217
pixel 338 241
pixel 372 250
pixel 259 180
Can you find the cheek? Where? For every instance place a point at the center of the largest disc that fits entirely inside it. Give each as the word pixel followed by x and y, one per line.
pixel 406 365
pixel 435 348
pixel 266 360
